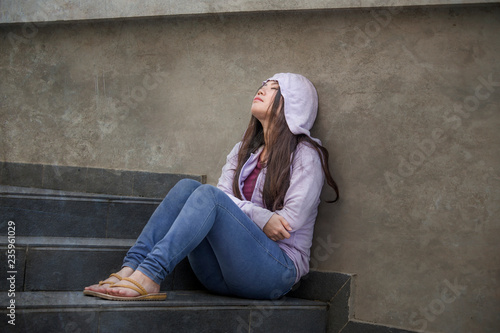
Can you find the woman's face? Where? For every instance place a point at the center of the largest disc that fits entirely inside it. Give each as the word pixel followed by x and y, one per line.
pixel 263 101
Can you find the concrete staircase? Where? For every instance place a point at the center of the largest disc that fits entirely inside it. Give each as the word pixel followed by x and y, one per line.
pixel 66 239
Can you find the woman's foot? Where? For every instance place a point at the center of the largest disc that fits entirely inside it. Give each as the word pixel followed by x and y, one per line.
pixel 148 284
pixel 102 287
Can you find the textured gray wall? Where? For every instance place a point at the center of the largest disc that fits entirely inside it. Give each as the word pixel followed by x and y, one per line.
pixel 409 110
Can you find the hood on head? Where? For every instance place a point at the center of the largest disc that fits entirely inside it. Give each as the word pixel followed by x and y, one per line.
pixel 301 102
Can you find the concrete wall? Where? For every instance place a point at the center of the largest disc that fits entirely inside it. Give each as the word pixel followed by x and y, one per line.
pixel 409 110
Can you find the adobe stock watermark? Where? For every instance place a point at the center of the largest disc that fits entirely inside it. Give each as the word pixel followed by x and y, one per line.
pixel 131 100
pixel 30 30
pixel 452 120
pixel 382 18
pixel 449 294
pixel 11 272
pixel 258 315
pixel 323 251
pixel 75 327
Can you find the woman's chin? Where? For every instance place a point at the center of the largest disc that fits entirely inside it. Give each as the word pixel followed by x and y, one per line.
pixel 259 114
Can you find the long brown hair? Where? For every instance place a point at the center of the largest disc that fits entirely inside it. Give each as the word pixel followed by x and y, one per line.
pixel 281 144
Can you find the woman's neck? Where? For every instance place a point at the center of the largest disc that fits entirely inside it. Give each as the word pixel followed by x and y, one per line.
pixel 263 155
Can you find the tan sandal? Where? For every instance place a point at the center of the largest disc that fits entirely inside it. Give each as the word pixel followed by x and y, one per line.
pixel 144 296
pixel 98 294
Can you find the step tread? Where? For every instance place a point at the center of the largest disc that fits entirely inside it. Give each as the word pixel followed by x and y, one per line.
pixel 39 193
pixel 54 213
pixel 175 299
pixel 44 241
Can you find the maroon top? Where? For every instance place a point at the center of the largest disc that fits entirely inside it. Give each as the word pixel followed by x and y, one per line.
pixel 249 183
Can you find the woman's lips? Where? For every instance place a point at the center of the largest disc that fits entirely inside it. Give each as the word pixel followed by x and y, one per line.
pixel 258 99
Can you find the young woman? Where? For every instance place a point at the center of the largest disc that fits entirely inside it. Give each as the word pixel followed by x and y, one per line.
pixel 251 235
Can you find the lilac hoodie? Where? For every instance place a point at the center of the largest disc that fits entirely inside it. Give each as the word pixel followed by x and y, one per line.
pixel 307 178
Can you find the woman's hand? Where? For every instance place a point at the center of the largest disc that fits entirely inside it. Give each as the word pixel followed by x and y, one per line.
pixel 277 228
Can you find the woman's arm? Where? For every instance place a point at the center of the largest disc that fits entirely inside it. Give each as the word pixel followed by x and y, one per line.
pixel 303 196
pixel 228 170
pixel 301 199
pixel 277 228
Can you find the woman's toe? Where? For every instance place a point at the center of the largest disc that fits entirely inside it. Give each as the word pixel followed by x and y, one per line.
pixel 111 291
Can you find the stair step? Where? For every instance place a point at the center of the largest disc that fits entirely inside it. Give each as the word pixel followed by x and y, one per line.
pixel 91 180
pixel 54 213
pixel 183 311
pixel 175 298
pixel 69 264
pixel 71 242
pixel 66 240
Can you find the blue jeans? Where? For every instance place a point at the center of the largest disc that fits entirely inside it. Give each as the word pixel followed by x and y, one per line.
pixel 228 252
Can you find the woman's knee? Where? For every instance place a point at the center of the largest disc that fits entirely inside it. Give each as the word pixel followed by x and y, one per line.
pixel 181 192
pixel 186 185
pixel 207 188
pixel 206 196
pixel 204 193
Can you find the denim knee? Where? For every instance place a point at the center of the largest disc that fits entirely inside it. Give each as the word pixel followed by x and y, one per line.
pixel 188 183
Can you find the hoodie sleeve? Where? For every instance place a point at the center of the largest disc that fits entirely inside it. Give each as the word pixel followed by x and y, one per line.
pixel 257 214
pixel 302 198
pixel 228 170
